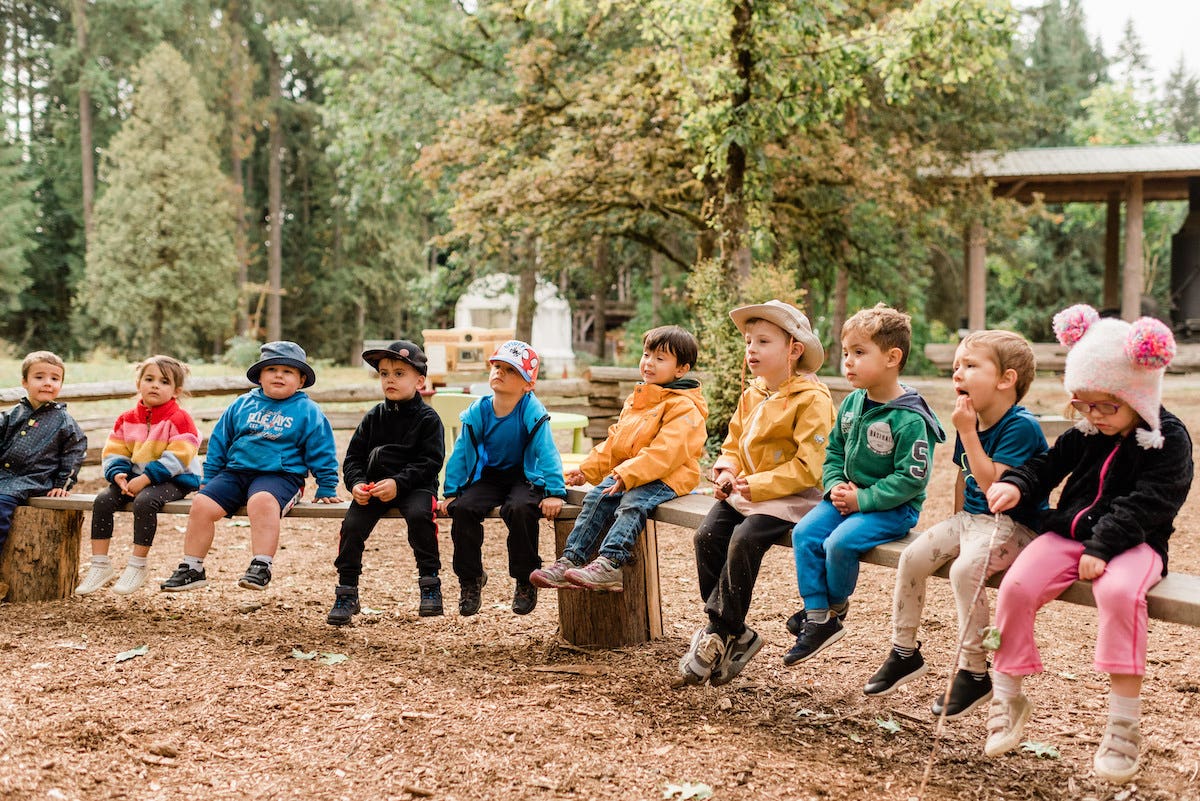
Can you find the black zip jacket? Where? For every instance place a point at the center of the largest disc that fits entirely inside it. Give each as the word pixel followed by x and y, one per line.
pixel 1112 504
pixel 400 440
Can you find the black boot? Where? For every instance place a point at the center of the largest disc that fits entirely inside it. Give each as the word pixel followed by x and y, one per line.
pixel 345 606
pixel 431 596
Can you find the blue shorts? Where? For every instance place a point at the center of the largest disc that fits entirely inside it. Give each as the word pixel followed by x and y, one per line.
pixel 232 488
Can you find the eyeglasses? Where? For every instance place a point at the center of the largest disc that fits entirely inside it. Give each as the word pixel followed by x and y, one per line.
pixel 1105 408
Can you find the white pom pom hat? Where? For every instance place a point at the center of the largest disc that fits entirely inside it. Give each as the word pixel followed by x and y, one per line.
pixel 1125 360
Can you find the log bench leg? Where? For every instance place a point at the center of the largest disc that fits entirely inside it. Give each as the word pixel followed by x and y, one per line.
pixel 41 557
pixel 613 619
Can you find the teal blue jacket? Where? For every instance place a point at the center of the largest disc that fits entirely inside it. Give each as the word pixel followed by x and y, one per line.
pixel 886 452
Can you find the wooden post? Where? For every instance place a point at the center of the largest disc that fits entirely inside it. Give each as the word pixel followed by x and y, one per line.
pixel 1112 252
pixel 976 241
pixel 41 556
pixel 613 619
pixel 1132 280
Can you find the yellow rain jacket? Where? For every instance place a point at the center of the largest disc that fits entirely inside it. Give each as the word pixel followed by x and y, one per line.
pixel 777 439
pixel 659 435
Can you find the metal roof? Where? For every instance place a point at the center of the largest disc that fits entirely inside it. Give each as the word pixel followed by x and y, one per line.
pixel 1087 174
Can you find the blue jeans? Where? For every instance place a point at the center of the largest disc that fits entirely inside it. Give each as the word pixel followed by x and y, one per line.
pixel 8 505
pixel 827 544
pixel 626 511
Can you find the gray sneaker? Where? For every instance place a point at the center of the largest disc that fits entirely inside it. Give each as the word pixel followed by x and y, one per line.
pixel 601 575
pixel 706 651
pixel 554 576
pixel 738 653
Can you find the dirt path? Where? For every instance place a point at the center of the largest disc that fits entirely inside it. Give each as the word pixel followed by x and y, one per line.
pixel 497 706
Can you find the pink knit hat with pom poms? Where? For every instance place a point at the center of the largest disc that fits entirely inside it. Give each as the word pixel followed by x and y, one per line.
pixel 1126 360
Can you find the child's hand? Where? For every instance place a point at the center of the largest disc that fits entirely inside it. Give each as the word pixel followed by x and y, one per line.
pixel 132 488
pixel 844 497
pixel 57 492
pixel 964 416
pixel 551 507
pixel 618 486
pixel 1091 567
pixel 722 484
pixel 361 493
pixel 384 490
pixel 122 481
pixel 1002 496
pixel 575 478
pixel 330 499
pixel 444 506
pixel 741 485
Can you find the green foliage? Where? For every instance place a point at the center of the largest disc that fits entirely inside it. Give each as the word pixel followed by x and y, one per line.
pixel 160 269
pixel 17 223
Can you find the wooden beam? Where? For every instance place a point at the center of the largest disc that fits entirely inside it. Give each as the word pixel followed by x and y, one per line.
pixel 976 255
pixel 1112 252
pixel 1132 277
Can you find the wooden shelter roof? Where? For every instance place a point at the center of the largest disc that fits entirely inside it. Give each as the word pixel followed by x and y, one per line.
pixel 1087 174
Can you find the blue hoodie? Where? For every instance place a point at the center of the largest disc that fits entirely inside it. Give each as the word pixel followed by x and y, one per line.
pixel 541 462
pixel 264 435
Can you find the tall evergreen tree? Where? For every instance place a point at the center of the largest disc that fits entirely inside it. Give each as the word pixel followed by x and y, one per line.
pixel 17 222
pixel 1063 67
pixel 1181 104
pixel 161 266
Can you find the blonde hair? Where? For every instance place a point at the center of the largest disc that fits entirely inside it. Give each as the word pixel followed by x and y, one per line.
pixel 886 327
pixel 1010 351
pixel 169 366
pixel 41 356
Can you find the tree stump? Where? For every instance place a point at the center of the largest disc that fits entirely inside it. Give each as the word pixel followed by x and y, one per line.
pixel 41 557
pixel 613 619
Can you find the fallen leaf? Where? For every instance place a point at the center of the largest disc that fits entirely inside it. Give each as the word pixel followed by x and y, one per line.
pixel 125 656
pixel 77 646
pixel 366 610
pixel 1040 749
pixel 888 725
pixel 333 659
pixel 238 524
pixel 298 654
pixel 855 736
pixel 687 790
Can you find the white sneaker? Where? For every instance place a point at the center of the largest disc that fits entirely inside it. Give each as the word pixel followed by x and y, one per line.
pixel 131 580
pixel 707 649
pixel 1117 757
pixel 1005 724
pixel 97 576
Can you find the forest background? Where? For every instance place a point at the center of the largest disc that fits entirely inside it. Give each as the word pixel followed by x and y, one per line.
pixel 196 176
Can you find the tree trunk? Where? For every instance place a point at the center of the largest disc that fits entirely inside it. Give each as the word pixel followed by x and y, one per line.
pixel 237 146
pixel 600 268
pixel 41 557
pixel 735 249
pixel 527 291
pixel 156 329
pixel 275 206
pixel 841 291
pixel 86 149
pixel 656 285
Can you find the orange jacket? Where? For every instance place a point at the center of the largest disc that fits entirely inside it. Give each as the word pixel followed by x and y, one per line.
pixel 659 435
pixel 777 439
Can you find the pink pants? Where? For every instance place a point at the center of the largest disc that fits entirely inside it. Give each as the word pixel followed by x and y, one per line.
pixel 1049 565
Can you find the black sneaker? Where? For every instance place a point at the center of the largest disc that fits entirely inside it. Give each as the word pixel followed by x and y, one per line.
pixel 524 598
pixel 967 691
pixel 431 596
pixel 345 606
pixel 184 578
pixel 738 653
pixel 795 623
pixel 256 577
pixel 894 671
pixel 470 595
pixel 815 638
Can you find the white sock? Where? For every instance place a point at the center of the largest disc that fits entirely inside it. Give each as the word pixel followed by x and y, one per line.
pixel 1125 708
pixel 269 560
pixel 194 562
pixel 137 561
pixel 1006 687
pixel 100 559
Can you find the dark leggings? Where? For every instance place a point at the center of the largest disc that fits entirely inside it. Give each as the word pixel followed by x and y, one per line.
pixel 146 506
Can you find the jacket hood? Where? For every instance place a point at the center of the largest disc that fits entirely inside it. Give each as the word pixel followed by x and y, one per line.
pixel 912 400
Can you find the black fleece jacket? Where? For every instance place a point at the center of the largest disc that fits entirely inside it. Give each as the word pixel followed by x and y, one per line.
pixel 1112 506
pixel 400 440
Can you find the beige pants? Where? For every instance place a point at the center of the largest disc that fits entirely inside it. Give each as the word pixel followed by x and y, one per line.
pixel 963 538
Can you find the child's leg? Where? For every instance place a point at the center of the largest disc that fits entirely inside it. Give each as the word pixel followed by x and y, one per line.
pixel 357 525
pixel 1040 573
pixel 146 506
pixel 728 604
pixel 417 509
pixel 594 517
pixel 264 512
pixel 634 507
pixel 918 562
pixel 521 513
pixel 467 513
pixel 973 565
pixel 711 544
pixel 808 549
pixel 1120 593
pixel 108 501
pixel 858 533
pixel 201 526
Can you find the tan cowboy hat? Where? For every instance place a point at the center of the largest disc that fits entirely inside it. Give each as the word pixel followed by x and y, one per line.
pixel 791 320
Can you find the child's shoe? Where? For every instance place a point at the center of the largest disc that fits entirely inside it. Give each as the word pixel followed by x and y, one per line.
pixel 131 580
pixel 707 649
pixel 554 576
pixel 815 637
pixel 256 577
pixel 1005 724
pixel 524 598
pixel 1117 757
pixel 431 596
pixel 97 576
pixel 738 652
pixel 184 578
pixel 470 595
pixel 601 575
pixel 967 691
pixel 897 670
pixel 345 606
pixel 795 623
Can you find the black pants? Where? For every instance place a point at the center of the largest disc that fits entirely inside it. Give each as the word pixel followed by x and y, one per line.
pixel 360 520
pixel 519 509
pixel 729 552
pixel 146 506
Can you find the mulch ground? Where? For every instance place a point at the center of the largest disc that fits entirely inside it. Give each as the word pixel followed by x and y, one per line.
pixel 499 706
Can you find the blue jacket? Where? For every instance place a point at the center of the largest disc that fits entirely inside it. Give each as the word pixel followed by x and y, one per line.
pixel 543 465
pixel 40 449
pixel 274 436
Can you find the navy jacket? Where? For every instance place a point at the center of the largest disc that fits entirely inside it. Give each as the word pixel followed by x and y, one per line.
pixel 40 449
